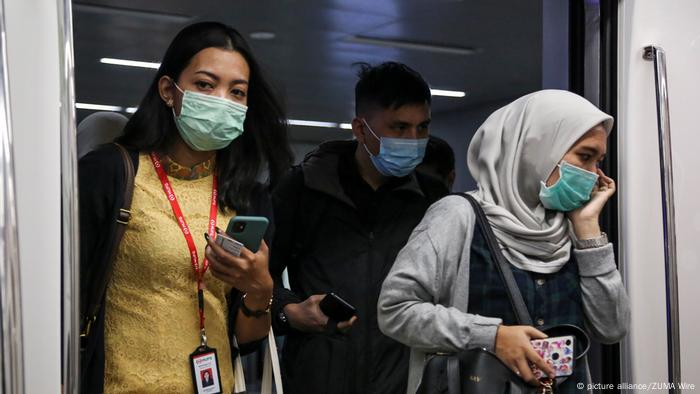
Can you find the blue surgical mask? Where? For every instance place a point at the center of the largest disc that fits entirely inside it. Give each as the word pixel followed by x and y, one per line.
pixel 397 156
pixel 571 191
pixel 209 123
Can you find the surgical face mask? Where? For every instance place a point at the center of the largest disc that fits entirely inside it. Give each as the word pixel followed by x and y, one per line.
pixel 397 156
pixel 571 191
pixel 209 123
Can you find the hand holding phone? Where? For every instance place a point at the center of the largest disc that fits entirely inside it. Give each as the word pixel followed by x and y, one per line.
pixel 248 272
pixel 307 316
pixel 558 352
pixel 333 306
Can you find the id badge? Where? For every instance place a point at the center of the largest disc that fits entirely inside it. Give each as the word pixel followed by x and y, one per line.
pixel 205 371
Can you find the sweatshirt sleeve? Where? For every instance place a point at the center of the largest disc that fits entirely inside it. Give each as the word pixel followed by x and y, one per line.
pixel 414 304
pixel 605 301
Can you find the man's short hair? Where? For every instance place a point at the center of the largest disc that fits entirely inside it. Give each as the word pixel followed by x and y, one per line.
pixel 389 85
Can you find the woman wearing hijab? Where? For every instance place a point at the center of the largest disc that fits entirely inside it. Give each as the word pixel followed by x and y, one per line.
pixel 535 163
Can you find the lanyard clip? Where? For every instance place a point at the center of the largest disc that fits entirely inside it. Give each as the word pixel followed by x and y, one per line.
pixel 202 338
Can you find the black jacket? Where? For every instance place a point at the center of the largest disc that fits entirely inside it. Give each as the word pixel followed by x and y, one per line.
pixel 329 244
pixel 101 189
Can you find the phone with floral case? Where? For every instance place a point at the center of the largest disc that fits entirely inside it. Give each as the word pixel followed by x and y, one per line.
pixel 557 352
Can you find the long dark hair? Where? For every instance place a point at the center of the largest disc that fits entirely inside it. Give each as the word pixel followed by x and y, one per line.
pixel 263 145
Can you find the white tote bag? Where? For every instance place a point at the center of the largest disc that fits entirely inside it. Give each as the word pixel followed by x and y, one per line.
pixel 271 369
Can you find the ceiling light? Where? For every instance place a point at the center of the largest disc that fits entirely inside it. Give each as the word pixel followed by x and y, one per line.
pixel 418 46
pixel 447 93
pixel 131 110
pixel 129 63
pixel 262 35
pixel 98 107
pixel 312 123
pixel 130 14
pixel 316 123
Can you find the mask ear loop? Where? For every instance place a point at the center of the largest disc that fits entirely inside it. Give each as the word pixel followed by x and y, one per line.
pixel 375 136
pixel 558 167
pixel 170 102
pixel 176 86
pixel 370 130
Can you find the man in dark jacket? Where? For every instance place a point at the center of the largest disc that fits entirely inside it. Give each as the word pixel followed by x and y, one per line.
pixel 342 217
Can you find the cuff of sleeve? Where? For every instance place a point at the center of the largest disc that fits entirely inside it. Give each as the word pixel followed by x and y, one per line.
pixel 595 261
pixel 281 298
pixel 483 333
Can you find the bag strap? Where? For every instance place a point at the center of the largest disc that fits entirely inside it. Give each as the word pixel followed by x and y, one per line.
pixel 123 217
pixel 514 295
pixel 454 376
pixel 239 386
pixel 271 367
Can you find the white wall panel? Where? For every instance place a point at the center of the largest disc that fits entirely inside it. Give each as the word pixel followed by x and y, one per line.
pixel 33 62
pixel 671 25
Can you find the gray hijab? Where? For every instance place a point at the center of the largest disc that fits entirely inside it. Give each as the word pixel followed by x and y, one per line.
pixel 515 149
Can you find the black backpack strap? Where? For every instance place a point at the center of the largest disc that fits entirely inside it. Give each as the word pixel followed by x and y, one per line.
pixel 502 265
pixel 123 216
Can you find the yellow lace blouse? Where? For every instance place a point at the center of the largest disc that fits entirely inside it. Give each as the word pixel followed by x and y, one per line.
pixel 151 321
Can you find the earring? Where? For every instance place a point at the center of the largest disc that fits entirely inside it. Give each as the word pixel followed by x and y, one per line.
pixel 170 103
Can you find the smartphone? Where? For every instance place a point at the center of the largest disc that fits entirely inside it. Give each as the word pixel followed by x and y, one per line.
pixel 558 352
pixel 228 244
pixel 337 308
pixel 248 230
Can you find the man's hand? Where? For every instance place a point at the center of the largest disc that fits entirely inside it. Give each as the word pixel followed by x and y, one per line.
pixel 307 316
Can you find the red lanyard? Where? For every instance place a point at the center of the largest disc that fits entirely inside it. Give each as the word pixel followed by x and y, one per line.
pixel 199 271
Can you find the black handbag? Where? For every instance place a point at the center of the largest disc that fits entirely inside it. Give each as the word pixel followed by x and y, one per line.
pixel 472 371
pixel 477 371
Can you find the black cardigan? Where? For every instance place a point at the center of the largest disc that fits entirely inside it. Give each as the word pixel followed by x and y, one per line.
pixel 101 190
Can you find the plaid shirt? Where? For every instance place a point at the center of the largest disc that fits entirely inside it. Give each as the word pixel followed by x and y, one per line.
pixel 551 299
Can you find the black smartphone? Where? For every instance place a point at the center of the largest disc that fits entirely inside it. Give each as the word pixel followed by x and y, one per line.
pixel 337 308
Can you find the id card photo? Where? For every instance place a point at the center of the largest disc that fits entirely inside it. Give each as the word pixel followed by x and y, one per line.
pixel 206 373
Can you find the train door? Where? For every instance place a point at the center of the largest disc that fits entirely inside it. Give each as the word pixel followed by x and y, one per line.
pixel 658 59
pixel 605 61
pixel 38 197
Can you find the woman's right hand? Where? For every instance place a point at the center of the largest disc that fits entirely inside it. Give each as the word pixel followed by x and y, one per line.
pixel 248 272
pixel 514 349
pixel 585 219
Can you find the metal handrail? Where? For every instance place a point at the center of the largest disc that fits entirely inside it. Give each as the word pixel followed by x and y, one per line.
pixel 658 56
pixel 12 371
pixel 69 205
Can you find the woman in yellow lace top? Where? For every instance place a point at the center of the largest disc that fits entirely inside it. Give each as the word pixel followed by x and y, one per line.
pixel 207 128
